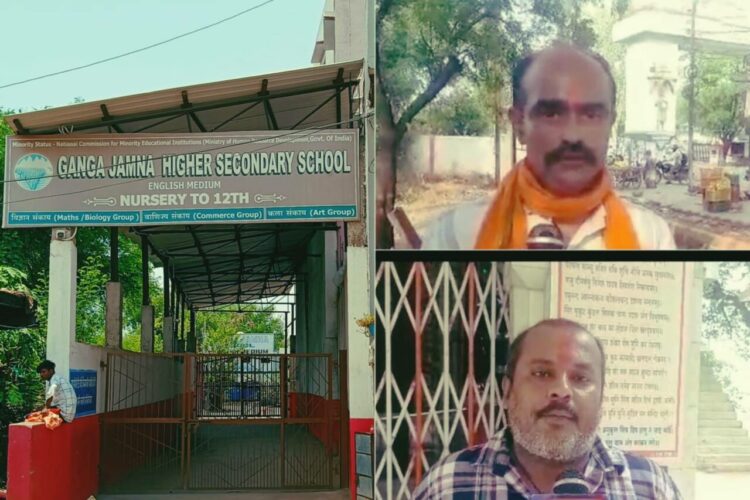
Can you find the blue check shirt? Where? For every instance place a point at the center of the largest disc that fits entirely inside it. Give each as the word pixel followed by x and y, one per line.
pixel 485 472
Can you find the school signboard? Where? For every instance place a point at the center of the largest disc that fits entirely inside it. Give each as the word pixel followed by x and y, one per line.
pixel 158 179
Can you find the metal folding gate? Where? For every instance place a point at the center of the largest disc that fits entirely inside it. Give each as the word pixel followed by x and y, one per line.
pixel 206 421
pixel 441 339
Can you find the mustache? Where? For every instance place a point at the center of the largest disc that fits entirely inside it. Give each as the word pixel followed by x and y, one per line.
pixel 570 148
pixel 554 406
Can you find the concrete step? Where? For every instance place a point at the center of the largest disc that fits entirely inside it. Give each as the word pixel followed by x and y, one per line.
pixel 724 467
pixel 716 415
pixel 722 432
pixel 714 406
pixel 718 423
pixel 717 449
pixel 712 440
pixel 710 386
pixel 721 458
pixel 709 396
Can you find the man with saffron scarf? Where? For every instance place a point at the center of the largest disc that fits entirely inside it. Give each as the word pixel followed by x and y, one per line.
pixel 563 110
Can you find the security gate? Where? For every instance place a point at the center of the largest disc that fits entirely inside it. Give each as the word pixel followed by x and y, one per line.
pixel 441 339
pixel 205 421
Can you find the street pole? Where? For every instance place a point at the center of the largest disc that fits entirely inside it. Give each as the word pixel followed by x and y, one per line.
pixel 691 100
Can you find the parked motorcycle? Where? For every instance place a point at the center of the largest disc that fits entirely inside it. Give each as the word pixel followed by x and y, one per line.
pixel 674 173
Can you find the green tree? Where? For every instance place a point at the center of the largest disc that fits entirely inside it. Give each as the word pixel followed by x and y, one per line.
pixel 456 113
pixel 20 352
pixel 24 260
pixel 604 18
pixel 719 98
pixel 423 45
pixel 218 330
pixel 726 305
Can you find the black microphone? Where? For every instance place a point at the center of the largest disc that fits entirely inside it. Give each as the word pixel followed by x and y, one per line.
pixel 570 482
pixel 545 237
pixel 570 485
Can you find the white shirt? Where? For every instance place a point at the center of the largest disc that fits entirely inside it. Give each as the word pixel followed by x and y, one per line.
pixel 63 396
pixel 458 229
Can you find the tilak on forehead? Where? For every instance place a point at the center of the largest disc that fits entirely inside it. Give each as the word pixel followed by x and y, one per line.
pixel 563 81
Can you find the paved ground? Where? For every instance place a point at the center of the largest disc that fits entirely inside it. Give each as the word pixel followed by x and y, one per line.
pixel 234 458
pixel 266 495
pixel 694 227
pixel 721 485
pixel 677 196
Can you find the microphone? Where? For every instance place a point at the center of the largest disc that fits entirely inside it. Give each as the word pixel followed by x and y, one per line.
pixel 545 237
pixel 570 485
pixel 570 482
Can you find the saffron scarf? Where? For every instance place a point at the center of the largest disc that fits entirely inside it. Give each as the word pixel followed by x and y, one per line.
pixel 504 224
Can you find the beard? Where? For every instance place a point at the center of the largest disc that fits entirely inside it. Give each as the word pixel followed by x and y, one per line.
pixel 556 447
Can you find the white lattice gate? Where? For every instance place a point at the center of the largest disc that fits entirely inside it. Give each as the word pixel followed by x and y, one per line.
pixel 441 343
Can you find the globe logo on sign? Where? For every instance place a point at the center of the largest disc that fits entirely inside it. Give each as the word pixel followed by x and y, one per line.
pixel 33 172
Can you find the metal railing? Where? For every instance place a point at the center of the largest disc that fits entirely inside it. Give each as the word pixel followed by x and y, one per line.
pixel 210 421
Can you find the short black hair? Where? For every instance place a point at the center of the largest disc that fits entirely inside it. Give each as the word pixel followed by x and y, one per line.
pixel 523 65
pixel 45 365
pixel 514 352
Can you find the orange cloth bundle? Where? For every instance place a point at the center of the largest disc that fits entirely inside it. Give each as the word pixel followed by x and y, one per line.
pixel 504 225
pixel 51 418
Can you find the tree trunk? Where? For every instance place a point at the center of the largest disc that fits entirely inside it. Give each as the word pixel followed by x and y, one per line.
pixel 498 173
pixel 385 172
pixel 725 146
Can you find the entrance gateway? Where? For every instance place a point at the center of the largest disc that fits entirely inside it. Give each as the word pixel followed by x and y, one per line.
pixel 247 191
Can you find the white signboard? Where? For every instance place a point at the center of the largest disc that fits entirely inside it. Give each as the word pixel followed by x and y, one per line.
pixel 257 343
pixel 636 309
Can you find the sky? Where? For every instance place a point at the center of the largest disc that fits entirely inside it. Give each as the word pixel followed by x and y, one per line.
pixel 44 36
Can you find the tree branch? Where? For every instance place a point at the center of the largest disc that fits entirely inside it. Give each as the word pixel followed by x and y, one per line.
pixel 714 291
pixel 383 8
pixel 440 80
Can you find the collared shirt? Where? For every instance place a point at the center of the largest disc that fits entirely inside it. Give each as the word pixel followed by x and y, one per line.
pixel 63 396
pixel 458 229
pixel 487 472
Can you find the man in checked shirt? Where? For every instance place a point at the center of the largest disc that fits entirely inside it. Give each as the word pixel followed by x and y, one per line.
pixel 552 390
pixel 58 391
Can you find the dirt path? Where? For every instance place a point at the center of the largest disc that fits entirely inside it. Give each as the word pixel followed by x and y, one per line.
pixel 424 201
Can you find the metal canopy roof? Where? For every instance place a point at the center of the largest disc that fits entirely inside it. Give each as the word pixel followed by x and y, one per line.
pixel 319 96
pixel 218 265
pixel 232 264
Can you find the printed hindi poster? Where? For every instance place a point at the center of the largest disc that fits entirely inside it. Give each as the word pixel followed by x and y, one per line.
pixel 637 311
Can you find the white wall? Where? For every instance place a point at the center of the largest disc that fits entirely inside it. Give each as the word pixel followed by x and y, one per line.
pixel 457 155
pixel 139 378
pixel 351 35
pixel 534 290
pixel 361 389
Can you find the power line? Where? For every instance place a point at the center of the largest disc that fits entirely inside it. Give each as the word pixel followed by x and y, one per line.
pixel 153 45
pixel 295 133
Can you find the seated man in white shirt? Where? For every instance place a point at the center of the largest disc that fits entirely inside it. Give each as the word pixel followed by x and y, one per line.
pixel 59 393
pixel 563 110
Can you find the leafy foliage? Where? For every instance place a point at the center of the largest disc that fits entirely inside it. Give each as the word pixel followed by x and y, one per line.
pixel 20 386
pixel 424 46
pixel 603 21
pixel 218 331
pixel 24 265
pixel 457 113
pixel 725 305
pixel 719 98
